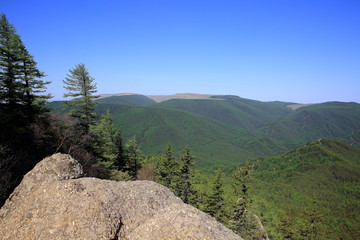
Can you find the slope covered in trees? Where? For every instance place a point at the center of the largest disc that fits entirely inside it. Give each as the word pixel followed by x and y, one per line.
pixel 276 120
pixel 310 191
pixel 326 120
pixel 206 126
pixel 213 142
pixel 241 112
pixel 140 100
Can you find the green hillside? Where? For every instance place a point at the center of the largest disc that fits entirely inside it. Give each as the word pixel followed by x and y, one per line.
pixel 319 181
pixel 139 100
pixel 326 120
pixel 213 142
pixel 216 129
pixel 245 113
pixel 353 139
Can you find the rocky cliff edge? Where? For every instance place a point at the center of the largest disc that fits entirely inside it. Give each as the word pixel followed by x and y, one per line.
pixel 54 201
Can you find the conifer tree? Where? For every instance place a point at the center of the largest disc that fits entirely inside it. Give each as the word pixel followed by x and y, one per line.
pixel 20 79
pixel 108 142
pixel 21 107
pixel 168 170
pixel 240 220
pixel 186 189
pixel 34 88
pixel 80 86
pixel 10 86
pixel 133 157
pixel 215 202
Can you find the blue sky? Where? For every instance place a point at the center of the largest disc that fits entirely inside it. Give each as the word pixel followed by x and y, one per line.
pixel 289 50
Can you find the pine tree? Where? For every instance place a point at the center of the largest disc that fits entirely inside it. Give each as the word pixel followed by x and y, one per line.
pixel 168 170
pixel 240 220
pixel 10 51
pixel 21 106
pixel 80 86
pixel 133 157
pixel 214 204
pixel 34 89
pixel 108 142
pixel 20 79
pixel 185 185
pixel 21 88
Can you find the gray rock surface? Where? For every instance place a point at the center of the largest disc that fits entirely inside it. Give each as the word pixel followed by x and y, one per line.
pixel 54 202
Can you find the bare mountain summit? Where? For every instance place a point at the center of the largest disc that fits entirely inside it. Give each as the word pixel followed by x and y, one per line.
pixel 54 201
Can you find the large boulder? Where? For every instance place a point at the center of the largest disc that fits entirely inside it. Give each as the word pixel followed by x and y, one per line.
pixel 54 201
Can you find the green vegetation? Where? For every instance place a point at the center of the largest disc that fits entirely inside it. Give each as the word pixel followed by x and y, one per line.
pixel 313 190
pixel 177 174
pixel 327 120
pixel 244 113
pixel 167 169
pixel 353 139
pixel 80 86
pixel 210 140
pixel 215 201
pixel 133 157
pixel 139 100
pixel 217 133
pixel 107 143
pixel 186 188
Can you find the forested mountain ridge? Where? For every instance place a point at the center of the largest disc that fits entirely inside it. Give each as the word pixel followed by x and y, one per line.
pixel 245 113
pixel 128 99
pixel 316 184
pixel 326 120
pixel 226 130
pixel 213 142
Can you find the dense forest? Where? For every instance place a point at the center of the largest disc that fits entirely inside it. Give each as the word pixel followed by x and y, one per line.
pixel 259 168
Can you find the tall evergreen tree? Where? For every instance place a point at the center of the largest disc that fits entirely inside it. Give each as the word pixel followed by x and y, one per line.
pixel 108 142
pixel 80 85
pixel 20 79
pixel 168 170
pixel 34 96
pixel 186 189
pixel 133 157
pixel 10 52
pixel 240 221
pixel 22 102
pixel 215 202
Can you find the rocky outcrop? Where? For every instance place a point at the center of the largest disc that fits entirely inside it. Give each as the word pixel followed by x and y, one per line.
pixel 54 201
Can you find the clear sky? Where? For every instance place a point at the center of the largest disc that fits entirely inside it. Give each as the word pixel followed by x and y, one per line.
pixel 301 51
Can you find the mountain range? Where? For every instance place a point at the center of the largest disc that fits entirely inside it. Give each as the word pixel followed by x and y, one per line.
pixel 225 130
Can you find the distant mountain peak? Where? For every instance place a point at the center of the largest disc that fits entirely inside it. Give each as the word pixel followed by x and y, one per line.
pixel 116 94
pixel 161 98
